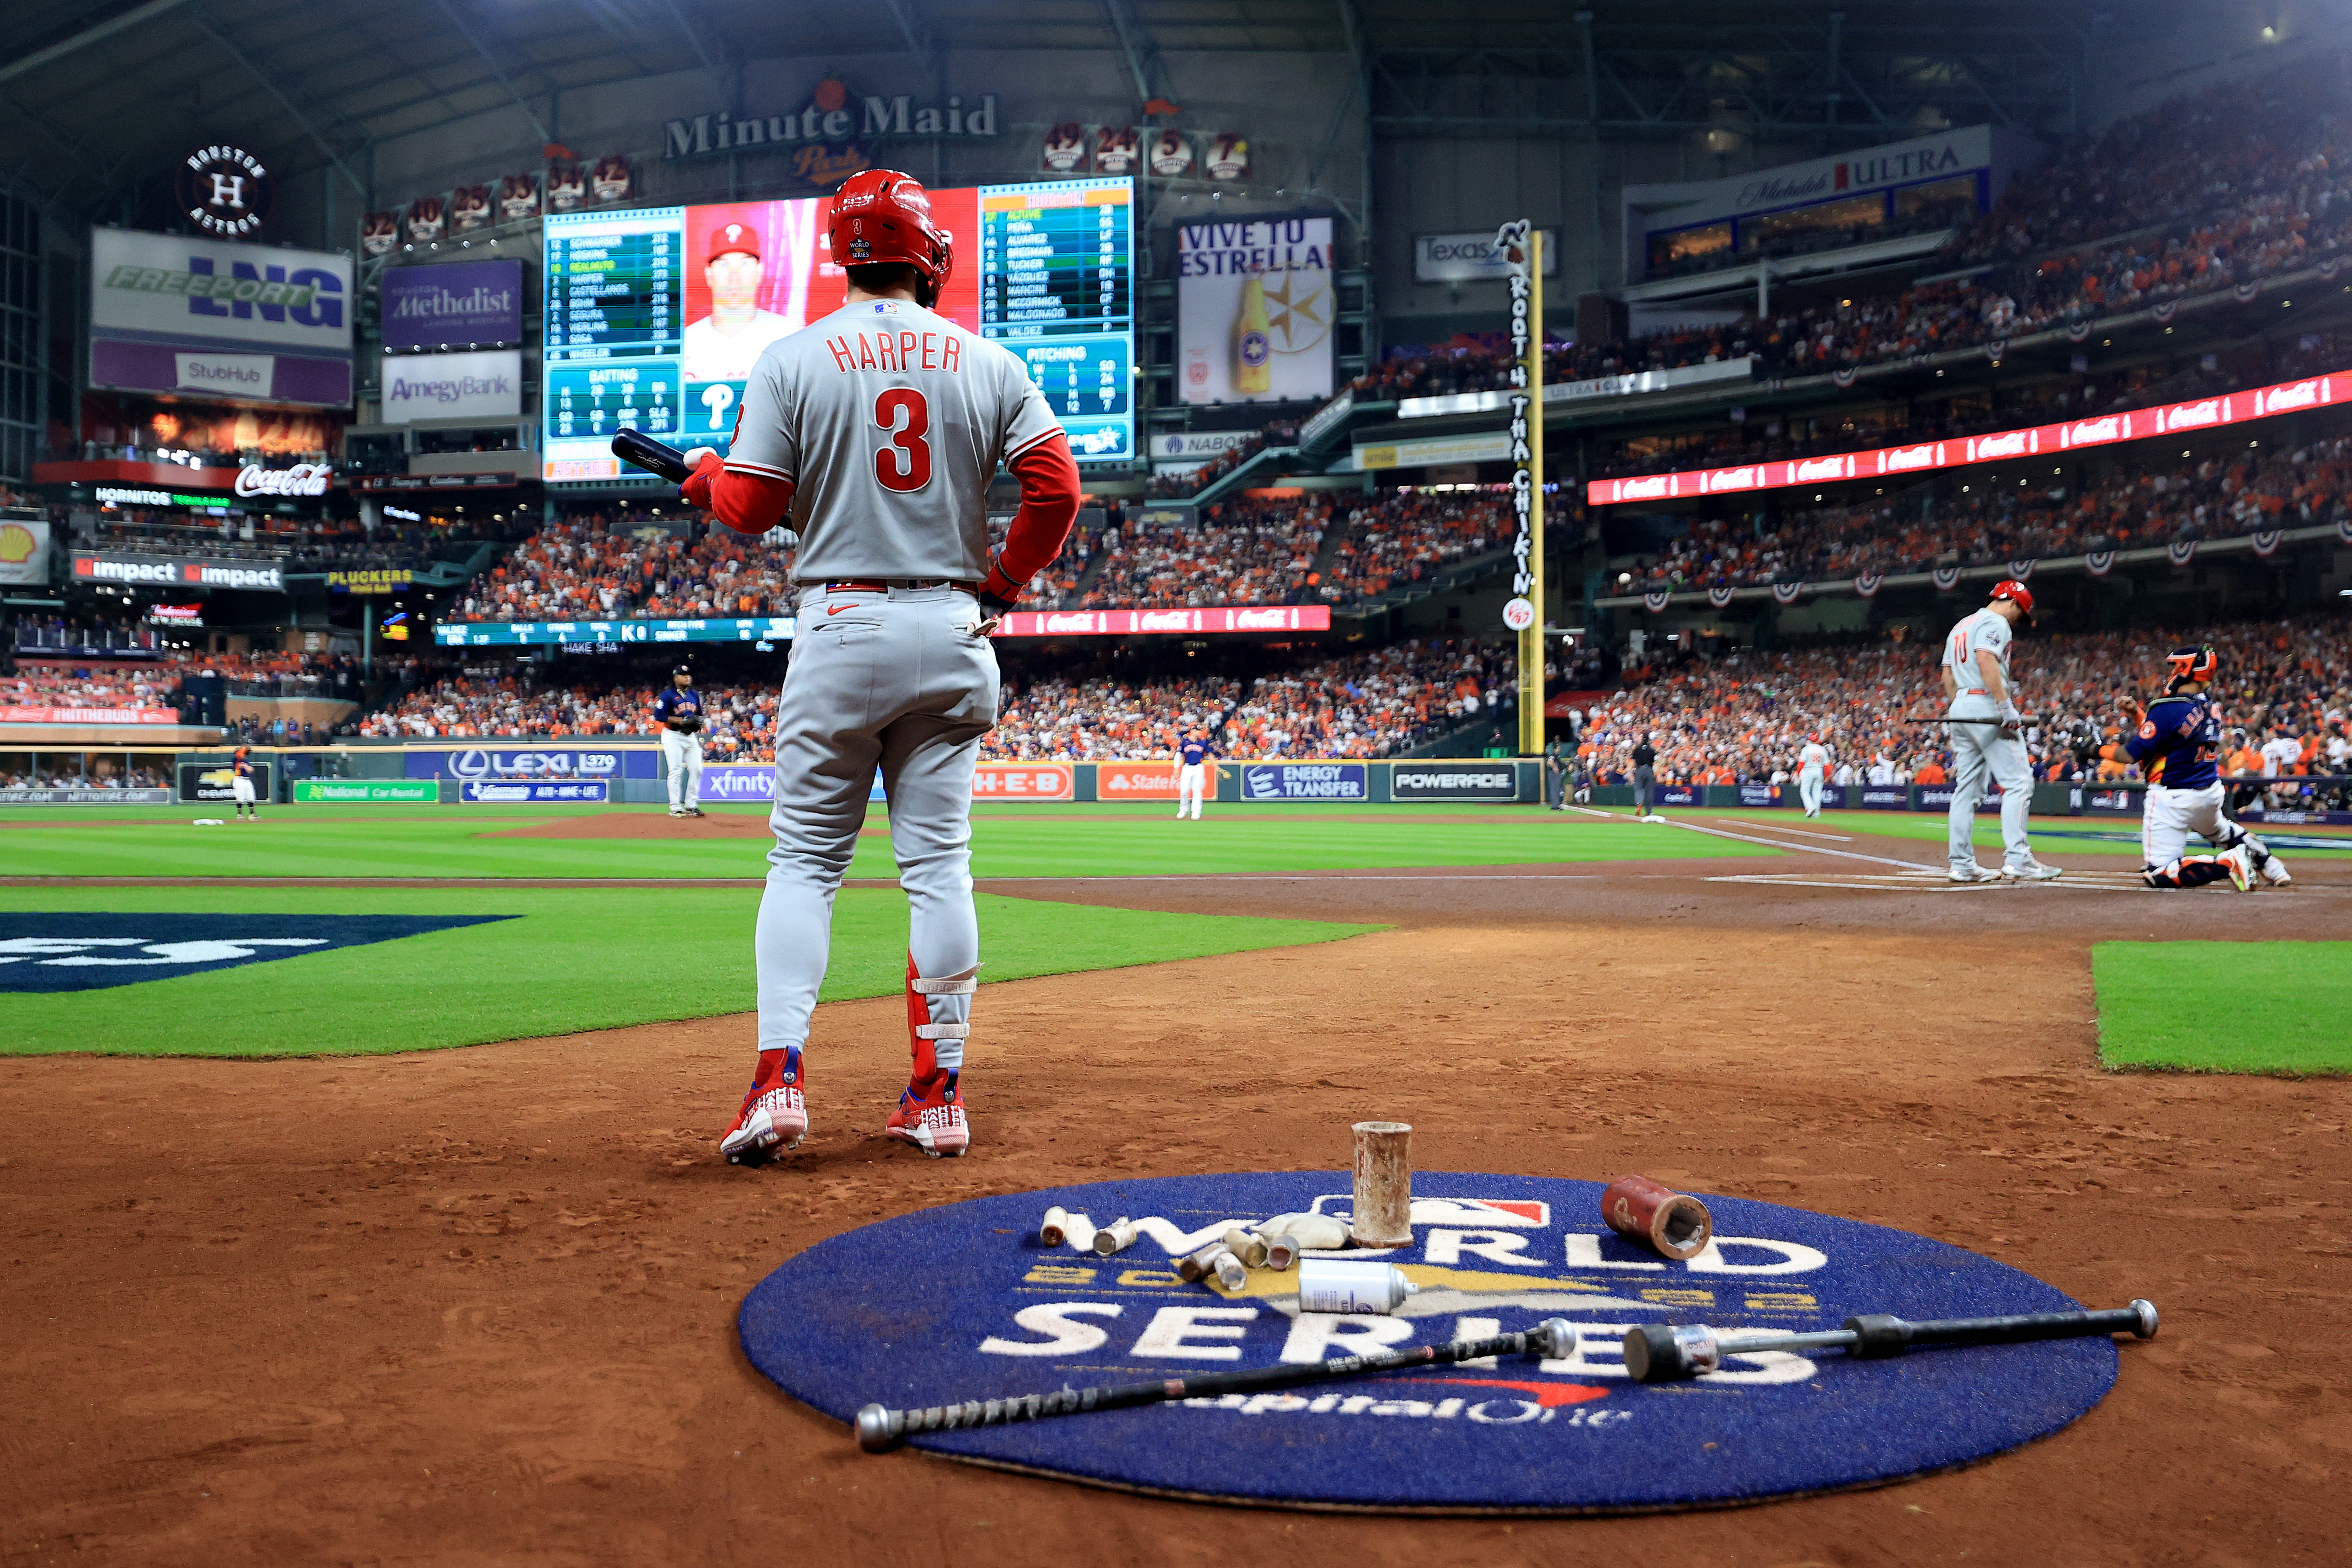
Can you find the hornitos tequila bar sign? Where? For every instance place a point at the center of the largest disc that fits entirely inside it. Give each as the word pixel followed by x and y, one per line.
pixel 832 114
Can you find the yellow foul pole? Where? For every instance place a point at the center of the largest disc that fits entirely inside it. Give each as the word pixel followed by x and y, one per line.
pixel 1520 243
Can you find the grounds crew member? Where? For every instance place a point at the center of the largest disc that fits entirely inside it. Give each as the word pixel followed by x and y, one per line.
pixel 677 709
pixel 876 429
pixel 2174 742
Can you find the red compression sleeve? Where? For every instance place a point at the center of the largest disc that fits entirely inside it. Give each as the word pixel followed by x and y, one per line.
pixel 747 503
pixel 1049 504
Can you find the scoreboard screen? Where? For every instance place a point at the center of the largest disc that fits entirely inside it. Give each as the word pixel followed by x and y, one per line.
pixel 655 316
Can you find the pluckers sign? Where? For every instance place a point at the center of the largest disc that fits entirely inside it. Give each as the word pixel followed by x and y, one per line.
pixel 822 134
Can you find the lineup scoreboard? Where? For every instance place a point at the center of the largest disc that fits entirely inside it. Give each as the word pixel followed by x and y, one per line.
pixel 655 316
pixel 1057 288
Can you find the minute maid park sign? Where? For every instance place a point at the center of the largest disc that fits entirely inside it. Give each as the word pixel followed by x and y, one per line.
pixel 832 114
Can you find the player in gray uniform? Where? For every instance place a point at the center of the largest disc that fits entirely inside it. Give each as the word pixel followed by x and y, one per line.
pixel 877 429
pixel 1985 737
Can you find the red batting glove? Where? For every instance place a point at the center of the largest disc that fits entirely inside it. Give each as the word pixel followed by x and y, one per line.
pixel 696 488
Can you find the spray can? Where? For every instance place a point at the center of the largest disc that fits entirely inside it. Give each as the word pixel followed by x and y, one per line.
pixel 1335 1284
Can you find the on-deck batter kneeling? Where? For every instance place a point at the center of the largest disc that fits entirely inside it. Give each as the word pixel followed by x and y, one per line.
pixel 877 429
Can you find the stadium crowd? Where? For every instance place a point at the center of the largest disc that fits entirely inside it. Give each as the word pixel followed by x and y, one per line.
pixel 603 566
pixel 738 726
pixel 1249 550
pixel 1985 524
pixel 1410 535
pixel 1743 717
pixel 2244 180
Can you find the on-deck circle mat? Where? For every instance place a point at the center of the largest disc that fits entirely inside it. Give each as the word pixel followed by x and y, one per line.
pixel 963 1302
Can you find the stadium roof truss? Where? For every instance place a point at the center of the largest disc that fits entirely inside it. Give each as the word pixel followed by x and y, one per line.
pixel 99 101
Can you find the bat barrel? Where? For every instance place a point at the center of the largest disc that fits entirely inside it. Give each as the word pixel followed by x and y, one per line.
pixel 1878 1334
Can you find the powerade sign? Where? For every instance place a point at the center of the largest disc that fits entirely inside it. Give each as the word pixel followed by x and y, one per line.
pixel 1304 781
pixel 1001 1315
pixel 1454 780
pixel 559 763
pixel 532 791
pixel 461 304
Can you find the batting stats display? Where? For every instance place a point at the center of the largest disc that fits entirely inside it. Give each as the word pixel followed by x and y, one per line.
pixel 656 317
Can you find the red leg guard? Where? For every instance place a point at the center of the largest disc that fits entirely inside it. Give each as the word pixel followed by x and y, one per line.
pixel 919 1013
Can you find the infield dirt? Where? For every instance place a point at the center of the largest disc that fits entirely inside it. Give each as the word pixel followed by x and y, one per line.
pixel 479 1306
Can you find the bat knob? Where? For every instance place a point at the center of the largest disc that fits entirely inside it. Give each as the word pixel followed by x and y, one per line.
pixel 876 1432
pixel 2145 1312
pixel 1553 1338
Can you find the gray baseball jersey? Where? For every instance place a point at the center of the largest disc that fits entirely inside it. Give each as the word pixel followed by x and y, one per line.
pixel 890 421
pixel 1981 632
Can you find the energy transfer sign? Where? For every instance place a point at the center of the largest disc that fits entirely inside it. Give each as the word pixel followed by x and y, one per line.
pixel 995 1313
pixel 88 952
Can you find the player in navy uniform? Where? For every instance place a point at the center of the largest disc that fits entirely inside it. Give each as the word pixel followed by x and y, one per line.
pixel 249 801
pixel 1197 775
pixel 678 710
pixel 2174 742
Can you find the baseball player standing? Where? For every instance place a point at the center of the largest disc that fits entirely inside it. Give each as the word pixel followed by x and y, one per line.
pixel 1197 775
pixel 2174 742
pixel 1645 779
pixel 877 429
pixel 241 785
pixel 1812 773
pixel 1984 728
pixel 677 709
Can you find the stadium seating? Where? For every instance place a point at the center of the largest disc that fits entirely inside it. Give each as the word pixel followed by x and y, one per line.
pixel 1984 524
pixel 630 566
pixel 1743 718
pixel 1242 552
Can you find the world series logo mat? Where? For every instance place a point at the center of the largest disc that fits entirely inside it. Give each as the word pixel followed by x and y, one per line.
pixel 964 1303
pixel 89 951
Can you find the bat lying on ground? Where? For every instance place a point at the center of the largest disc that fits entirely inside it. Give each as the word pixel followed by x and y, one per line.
pixel 880 1429
pixel 1660 1352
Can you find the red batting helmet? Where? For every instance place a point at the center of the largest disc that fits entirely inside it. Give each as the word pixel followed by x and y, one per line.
pixel 2016 592
pixel 883 215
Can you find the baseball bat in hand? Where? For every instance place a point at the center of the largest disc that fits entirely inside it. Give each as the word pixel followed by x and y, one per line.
pixel 640 450
pixel 1661 1353
pixel 880 1429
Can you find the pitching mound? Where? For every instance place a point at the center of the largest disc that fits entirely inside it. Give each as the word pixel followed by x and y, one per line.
pixel 963 1302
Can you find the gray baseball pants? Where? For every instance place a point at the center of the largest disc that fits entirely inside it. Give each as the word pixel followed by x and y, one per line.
pixel 898 680
pixel 1979 750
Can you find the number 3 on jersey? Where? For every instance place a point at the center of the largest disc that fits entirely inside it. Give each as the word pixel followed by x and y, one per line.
pixel 905 463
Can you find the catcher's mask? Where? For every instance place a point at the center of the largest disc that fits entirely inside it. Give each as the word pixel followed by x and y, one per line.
pixel 2196 664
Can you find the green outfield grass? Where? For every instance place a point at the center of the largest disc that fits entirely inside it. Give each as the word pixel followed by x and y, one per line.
pixel 576 959
pixel 1023 840
pixel 2225 1006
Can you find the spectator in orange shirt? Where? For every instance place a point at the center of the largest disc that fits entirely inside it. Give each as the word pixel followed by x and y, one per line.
pixel 1931 771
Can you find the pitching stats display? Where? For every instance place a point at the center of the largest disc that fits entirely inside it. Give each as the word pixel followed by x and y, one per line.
pixel 654 317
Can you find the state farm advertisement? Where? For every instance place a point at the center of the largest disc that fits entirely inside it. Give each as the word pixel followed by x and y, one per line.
pixel 1024 780
pixel 1207 618
pixel 1135 781
pixel 2036 441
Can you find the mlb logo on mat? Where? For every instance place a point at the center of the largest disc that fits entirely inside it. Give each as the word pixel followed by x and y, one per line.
pixel 88 952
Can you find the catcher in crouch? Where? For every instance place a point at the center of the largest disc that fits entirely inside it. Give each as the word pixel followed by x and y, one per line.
pixel 2174 742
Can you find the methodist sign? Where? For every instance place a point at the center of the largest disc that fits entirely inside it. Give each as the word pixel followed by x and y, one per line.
pixel 213 318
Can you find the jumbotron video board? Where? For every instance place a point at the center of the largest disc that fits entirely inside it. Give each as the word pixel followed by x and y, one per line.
pixel 654 317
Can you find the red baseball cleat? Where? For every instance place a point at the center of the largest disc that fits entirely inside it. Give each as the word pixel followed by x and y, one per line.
pixel 931 1117
pixel 774 1117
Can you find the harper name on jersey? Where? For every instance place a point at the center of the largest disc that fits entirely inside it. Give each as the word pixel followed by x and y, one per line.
pixel 2176 743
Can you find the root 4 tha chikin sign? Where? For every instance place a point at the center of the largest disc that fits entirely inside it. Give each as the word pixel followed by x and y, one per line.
pixel 1518 248
pixel 964 1303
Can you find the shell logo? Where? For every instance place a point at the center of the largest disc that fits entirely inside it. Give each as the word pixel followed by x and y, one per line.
pixel 17 543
